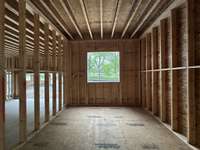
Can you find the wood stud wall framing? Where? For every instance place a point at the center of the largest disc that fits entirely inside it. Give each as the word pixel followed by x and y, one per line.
pixel 40 47
pixel 2 77
pixel 54 74
pixel 174 69
pixel 46 31
pixel 169 57
pixel 22 72
pixel 36 73
pixel 114 94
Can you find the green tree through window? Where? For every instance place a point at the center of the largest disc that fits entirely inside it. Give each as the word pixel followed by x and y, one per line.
pixel 103 67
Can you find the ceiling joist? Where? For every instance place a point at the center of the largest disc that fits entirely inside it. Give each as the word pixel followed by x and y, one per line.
pixel 86 18
pixel 116 17
pixel 139 4
pixel 70 17
pixel 147 15
pixel 101 17
pixel 53 15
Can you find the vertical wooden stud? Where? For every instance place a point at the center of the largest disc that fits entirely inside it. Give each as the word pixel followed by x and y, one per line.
pixel 154 73
pixel 143 59
pixel 148 63
pixel 192 128
pixel 174 73
pixel 2 77
pixel 36 69
pixel 46 29
pixel 65 77
pixel 163 37
pixel 60 72
pixel 54 73
pixel 22 72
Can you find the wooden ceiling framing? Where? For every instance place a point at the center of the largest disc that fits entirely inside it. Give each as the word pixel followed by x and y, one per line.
pixel 80 20
pixel 101 19
pixel 12 32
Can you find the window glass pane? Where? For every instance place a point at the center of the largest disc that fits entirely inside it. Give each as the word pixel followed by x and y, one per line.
pixel 42 98
pixel 103 67
pixel 30 102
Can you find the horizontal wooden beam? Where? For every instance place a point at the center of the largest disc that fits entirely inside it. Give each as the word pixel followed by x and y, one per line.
pixel 145 18
pixel 119 2
pixel 71 18
pixel 132 16
pixel 53 15
pixel 86 18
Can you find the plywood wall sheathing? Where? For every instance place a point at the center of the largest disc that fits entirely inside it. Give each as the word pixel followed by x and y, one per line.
pixel 123 93
pixel 178 68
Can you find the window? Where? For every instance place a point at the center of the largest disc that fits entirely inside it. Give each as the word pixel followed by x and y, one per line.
pixel 9 85
pixel 103 67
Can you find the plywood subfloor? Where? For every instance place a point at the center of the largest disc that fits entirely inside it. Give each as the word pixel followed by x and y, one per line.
pixel 105 128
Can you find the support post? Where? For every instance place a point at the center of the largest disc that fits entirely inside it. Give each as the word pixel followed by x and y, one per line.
pixel 36 69
pixel 60 72
pixel 2 76
pixel 54 73
pixel 22 72
pixel 46 26
pixel 163 36
pixel 174 103
pixel 155 76
pixel 65 77
pixel 192 100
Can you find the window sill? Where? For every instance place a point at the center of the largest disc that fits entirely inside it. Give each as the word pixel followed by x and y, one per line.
pixel 89 82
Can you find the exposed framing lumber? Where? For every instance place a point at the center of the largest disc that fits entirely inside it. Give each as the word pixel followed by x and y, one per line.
pixel 119 2
pixel 163 38
pixel 101 17
pixel 36 69
pixel 22 72
pixel 46 30
pixel 192 128
pixel 145 18
pixel 174 102
pixel 68 72
pixel 143 67
pixel 71 18
pixel 53 15
pixel 154 58
pixel 2 77
pixel 148 75
pixel 86 18
pixel 60 72
pixel 33 9
pixel 54 73
pixel 65 73
pixel 131 18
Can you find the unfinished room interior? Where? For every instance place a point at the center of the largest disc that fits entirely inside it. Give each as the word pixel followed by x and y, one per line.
pixel 99 74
